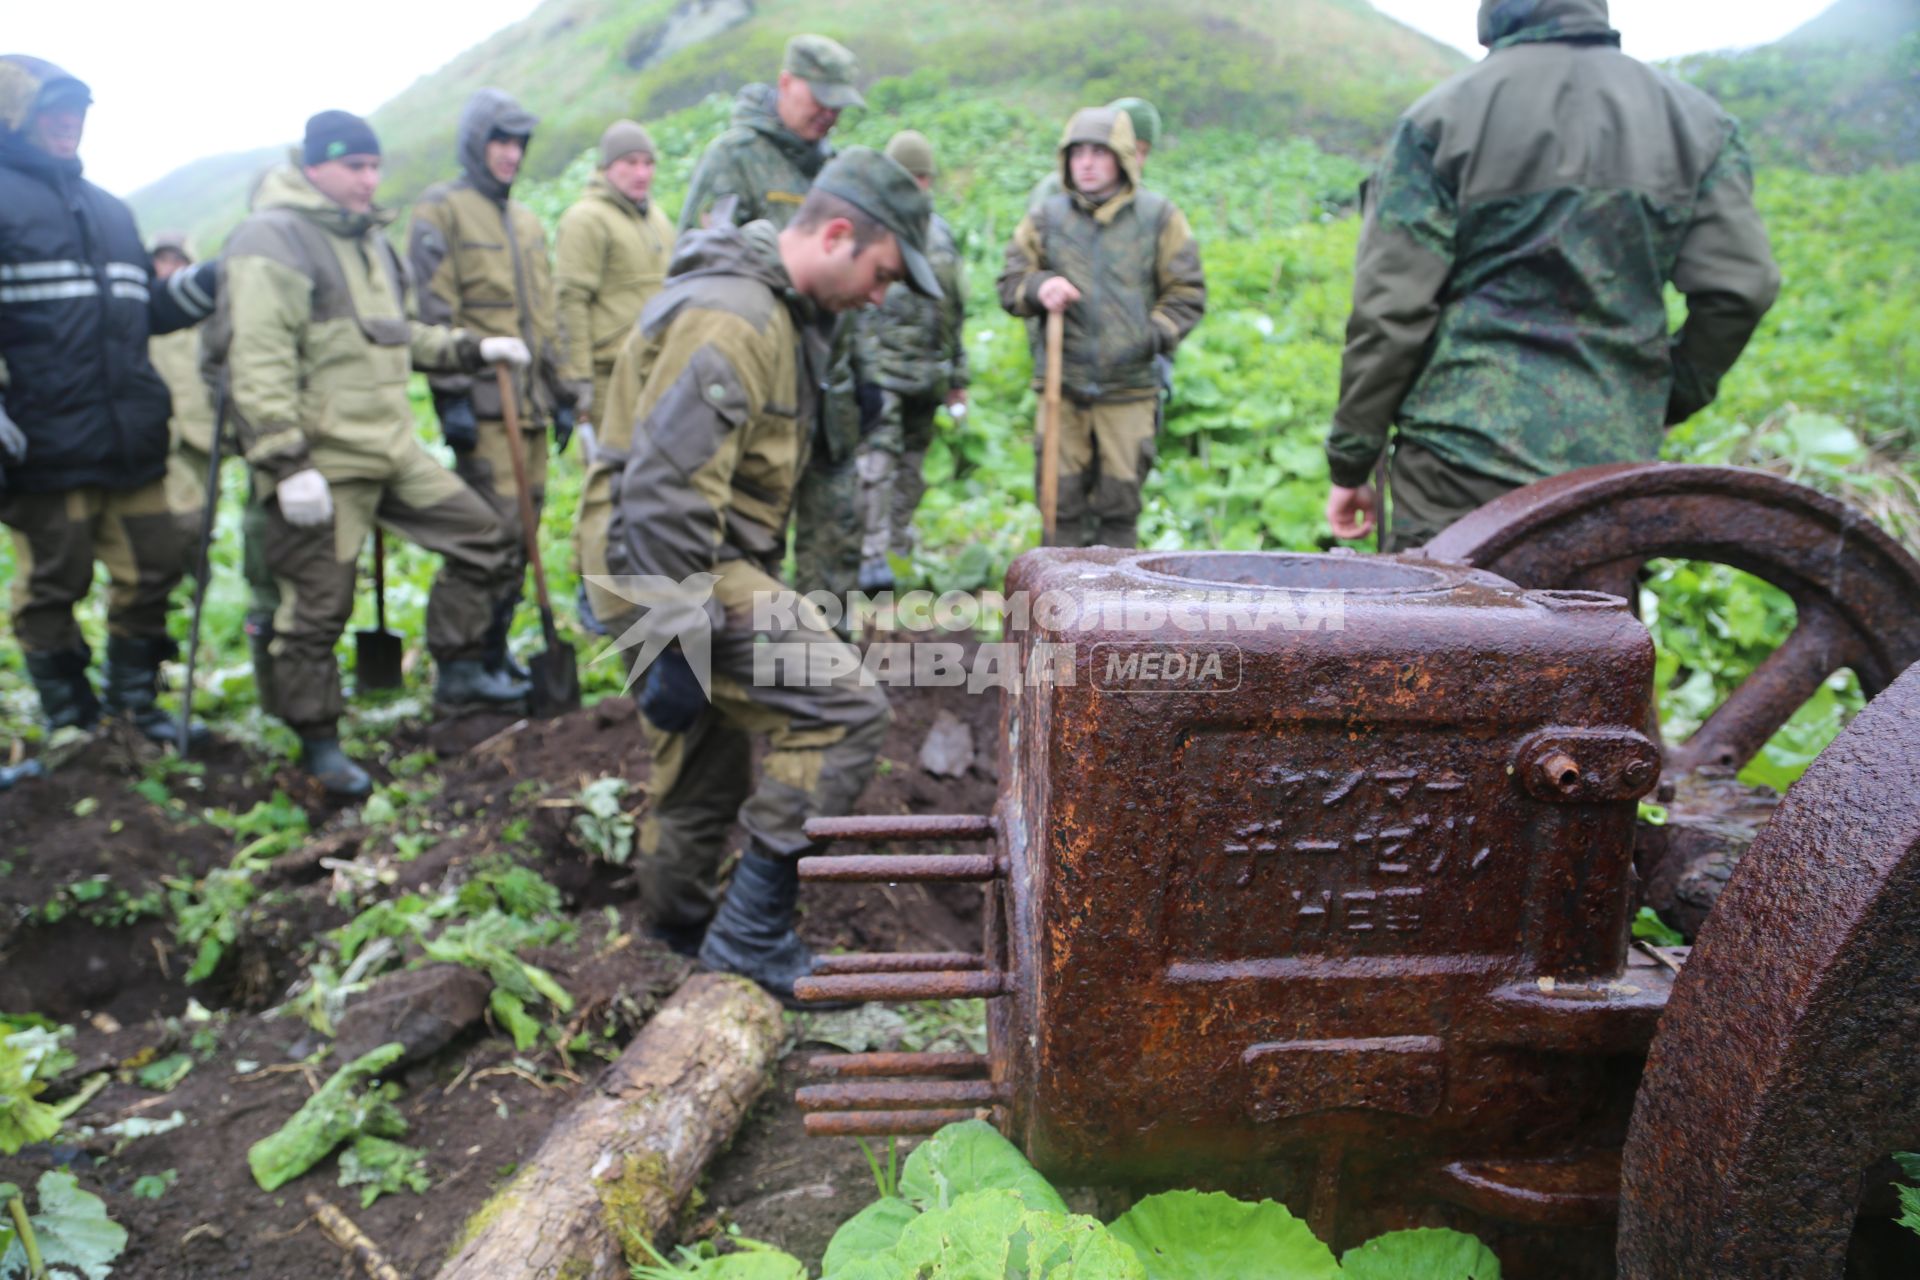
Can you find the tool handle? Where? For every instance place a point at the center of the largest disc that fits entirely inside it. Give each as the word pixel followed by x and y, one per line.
pixel 528 524
pixel 379 580
pixel 1050 427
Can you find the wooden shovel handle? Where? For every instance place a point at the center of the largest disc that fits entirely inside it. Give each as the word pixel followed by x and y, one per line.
pixel 1050 428
pixel 510 408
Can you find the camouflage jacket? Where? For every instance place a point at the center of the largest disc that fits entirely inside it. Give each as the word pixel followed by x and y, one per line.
pixel 1508 309
pixel 176 358
pixel 767 169
pixel 911 345
pixel 610 256
pixel 1136 264
pixel 712 409
pixel 480 258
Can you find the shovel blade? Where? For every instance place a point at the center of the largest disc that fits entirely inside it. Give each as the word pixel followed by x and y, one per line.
pixel 376 660
pixel 555 675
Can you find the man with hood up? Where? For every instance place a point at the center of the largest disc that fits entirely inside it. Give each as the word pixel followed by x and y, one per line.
pixel 1121 265
pixel 1508 318
pixel 323 332
pixel 480 259
pixel 762 168
pixel 610 256
pixel 83 415
pixel 722 382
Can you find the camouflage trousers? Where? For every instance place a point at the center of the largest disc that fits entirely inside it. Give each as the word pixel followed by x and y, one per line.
pixel 827 527
pixel 823 731
pixel 488 470
pixel 56 539
pixel 1106 451
pixel 1426 493
pixel 315 570
pixel 891 463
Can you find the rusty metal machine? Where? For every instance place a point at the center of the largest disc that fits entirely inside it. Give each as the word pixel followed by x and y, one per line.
pixel 1312 876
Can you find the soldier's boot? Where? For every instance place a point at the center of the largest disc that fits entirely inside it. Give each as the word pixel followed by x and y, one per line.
pixel 131 689
pixel 323 760
pixel 66 694
pixel 259 629
pixel 496 656
pixel 468 684
pixel 589 620
pixel 682 939
pixel 752 932
pixel 876 575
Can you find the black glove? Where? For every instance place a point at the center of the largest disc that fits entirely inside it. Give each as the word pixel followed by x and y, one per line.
pixel 456 422
pixel 562 427
pixel 672 698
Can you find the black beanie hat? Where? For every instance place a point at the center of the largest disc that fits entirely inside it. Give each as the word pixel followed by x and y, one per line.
pixel 333 134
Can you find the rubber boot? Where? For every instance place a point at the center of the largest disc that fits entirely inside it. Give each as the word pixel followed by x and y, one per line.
pixel 752 932
pixel 12 773
pixel 876 575
pixel 469 683
pixel 259 628
pixel 496 657
pixel 131 689
pixel 327 763
pixel 66 694
pixel 681 939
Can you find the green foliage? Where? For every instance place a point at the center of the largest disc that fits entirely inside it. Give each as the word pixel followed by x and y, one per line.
pixel 71 1232
pixel 208 915
pixel 603 825
pixel 340 1109
pixel 151 1186
pixel 1194 1235
pixel 164 1074
pixel 270 828
pixel 30 1059
pixel 1649 927
pixel 753 1261
pixel 973 1156
pixel 380 1167
pixel 1425 1254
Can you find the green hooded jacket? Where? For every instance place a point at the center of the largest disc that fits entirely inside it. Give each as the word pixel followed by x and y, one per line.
pixel 480 259
pixel 1508 299
pixel 610 256
pixel 913 346
pixel 323 336
pixel 758 161
pixel 1133 258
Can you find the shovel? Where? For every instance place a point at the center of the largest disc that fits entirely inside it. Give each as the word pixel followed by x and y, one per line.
pixel 1050 430
pixel 377 653
pixel 554 670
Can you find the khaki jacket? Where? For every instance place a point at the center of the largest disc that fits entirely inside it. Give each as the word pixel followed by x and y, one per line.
pixel 176 357
pixel 324 336
pixel 712 410
pixel 610 257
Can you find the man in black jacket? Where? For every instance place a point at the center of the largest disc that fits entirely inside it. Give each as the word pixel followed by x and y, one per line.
pixel 83 415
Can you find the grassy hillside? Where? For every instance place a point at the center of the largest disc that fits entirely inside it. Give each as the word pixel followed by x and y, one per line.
pixel 1333 70
pixel 1838 95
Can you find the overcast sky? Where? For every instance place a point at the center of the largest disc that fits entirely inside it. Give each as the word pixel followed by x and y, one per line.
pixel 189 78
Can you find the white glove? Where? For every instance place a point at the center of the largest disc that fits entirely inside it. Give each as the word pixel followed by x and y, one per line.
pixel 512 350
pixel 13 441
pixel 305 500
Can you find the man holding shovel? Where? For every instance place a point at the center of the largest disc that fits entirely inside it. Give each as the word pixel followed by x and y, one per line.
pixel 1120 266
pixel 323 339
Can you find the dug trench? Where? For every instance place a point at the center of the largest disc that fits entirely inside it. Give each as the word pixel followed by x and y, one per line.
pixel 100 856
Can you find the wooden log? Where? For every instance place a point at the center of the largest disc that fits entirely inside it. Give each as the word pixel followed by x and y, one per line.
pixel 616 1168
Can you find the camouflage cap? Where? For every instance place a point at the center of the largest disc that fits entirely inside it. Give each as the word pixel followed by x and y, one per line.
pixel 828 67
pixel 888 194
pixel 910 150
pixel 1145 117
pixel 171 242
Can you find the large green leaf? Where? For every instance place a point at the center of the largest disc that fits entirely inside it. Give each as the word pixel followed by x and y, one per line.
pixel 337 1112
pixel 1206 1235
pixel 1426 1254
pixel 972 1156
pixel 75 1235
pixel 971 1239
pixel 1075 1247
pixel 868 1234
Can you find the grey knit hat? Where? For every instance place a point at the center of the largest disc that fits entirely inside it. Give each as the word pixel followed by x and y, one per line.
pixel 623 137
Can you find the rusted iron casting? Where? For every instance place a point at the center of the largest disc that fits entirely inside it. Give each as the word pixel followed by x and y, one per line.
pixel 1789 1058
pixel 1857 592
pixel 1318 885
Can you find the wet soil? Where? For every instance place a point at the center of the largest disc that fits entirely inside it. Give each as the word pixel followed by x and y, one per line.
pixel 106 961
